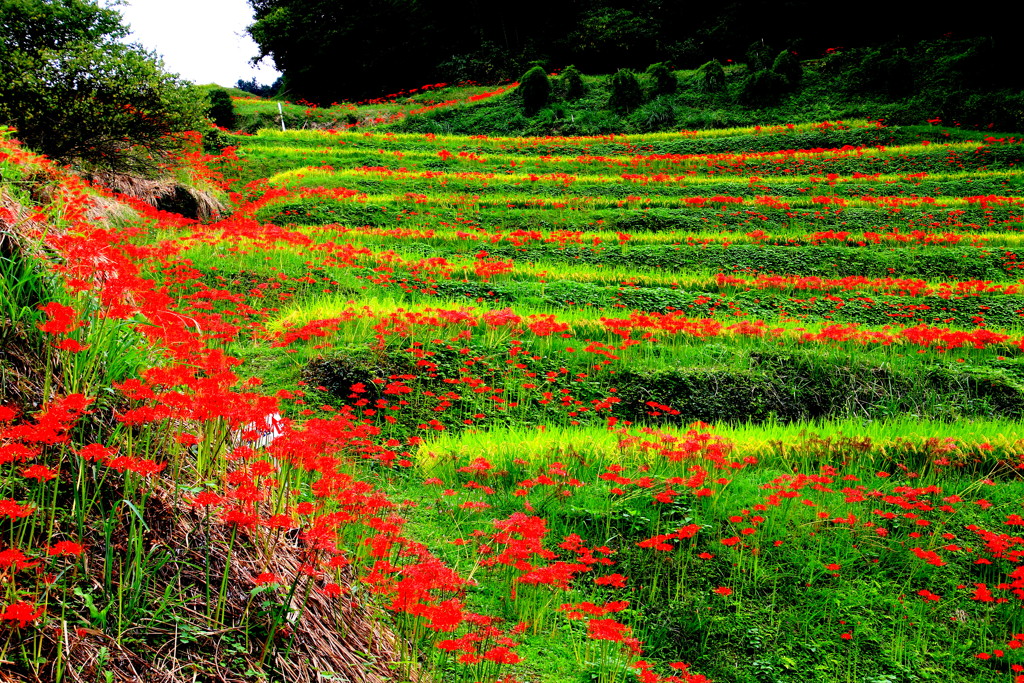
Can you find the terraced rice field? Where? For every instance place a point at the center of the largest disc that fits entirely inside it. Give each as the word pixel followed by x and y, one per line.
pixel 812 272
pixel 741 404
pixel 649 345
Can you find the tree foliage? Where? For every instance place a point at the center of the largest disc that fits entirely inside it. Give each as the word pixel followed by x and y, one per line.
pixel 76 94
pixel 333 50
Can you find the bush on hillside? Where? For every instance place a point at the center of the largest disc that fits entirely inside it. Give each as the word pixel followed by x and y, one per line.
pixel 788 66
pixel 653 116
pixel 759 56
pixel 664 81
pixel 626 93
pixel 710 77
pixel 535 89
pixel 222 111
pixel 762 88
pixel 571 81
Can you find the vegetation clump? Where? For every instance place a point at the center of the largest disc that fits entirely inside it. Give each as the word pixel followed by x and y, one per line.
pixel 710 77
pixel 664 82
pixel 572 84
pixel 788 66
pixel 762 88
pixel 222 110
pixel 626 93
pixel 535 89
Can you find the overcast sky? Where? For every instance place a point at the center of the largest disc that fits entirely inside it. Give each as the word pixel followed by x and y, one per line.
pixel 201 40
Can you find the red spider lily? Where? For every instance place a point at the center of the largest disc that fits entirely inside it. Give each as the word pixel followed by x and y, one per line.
pixel 21 612
pixel 502 655
pixel 607 629
pixel 62 319
pixel 65 549
pixel 12 557
pixel 15 510
pixel 723 590
pixel 40 473
pixel 96 452
pixel 207 498
pixel 16 452
pixel 616 580
pixel 267 578
pixel 140 466
pixel 71 346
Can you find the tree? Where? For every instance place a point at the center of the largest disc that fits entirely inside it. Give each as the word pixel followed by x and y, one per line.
pixel 254 88
pixel 76 94
pixel 331 50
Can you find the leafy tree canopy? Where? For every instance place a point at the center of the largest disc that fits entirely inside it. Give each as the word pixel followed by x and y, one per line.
pixel 77 94
pixel 334 50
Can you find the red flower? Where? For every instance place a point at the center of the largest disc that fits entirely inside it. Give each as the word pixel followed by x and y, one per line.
pixel 502 655
pixel 723 590
pixel 332 590
pixel 266 578
pixel 40 473
pixel 607 629
pixel 22 613
pixel 14 509
pixel 62 319
pixel 12 557
pixel 72 346
pixel 617 580
pixel 65 548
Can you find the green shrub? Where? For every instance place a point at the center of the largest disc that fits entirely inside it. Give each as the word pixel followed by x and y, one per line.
pixel 665 82
pixel 788 66
pixel 535 89
pixel 654 116
pixel 762 88
pixel 571 81
pixel 759 56
pixel 626 93
pixel 222 111
pixel 711 77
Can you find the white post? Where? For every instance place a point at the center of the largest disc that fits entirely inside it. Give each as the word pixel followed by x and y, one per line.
pixel 281 112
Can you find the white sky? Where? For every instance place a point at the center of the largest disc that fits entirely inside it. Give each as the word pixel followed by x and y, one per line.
pixel 203 41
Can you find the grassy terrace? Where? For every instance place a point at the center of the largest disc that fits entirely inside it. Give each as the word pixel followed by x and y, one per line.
pixel 743 404
pixel 841 302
